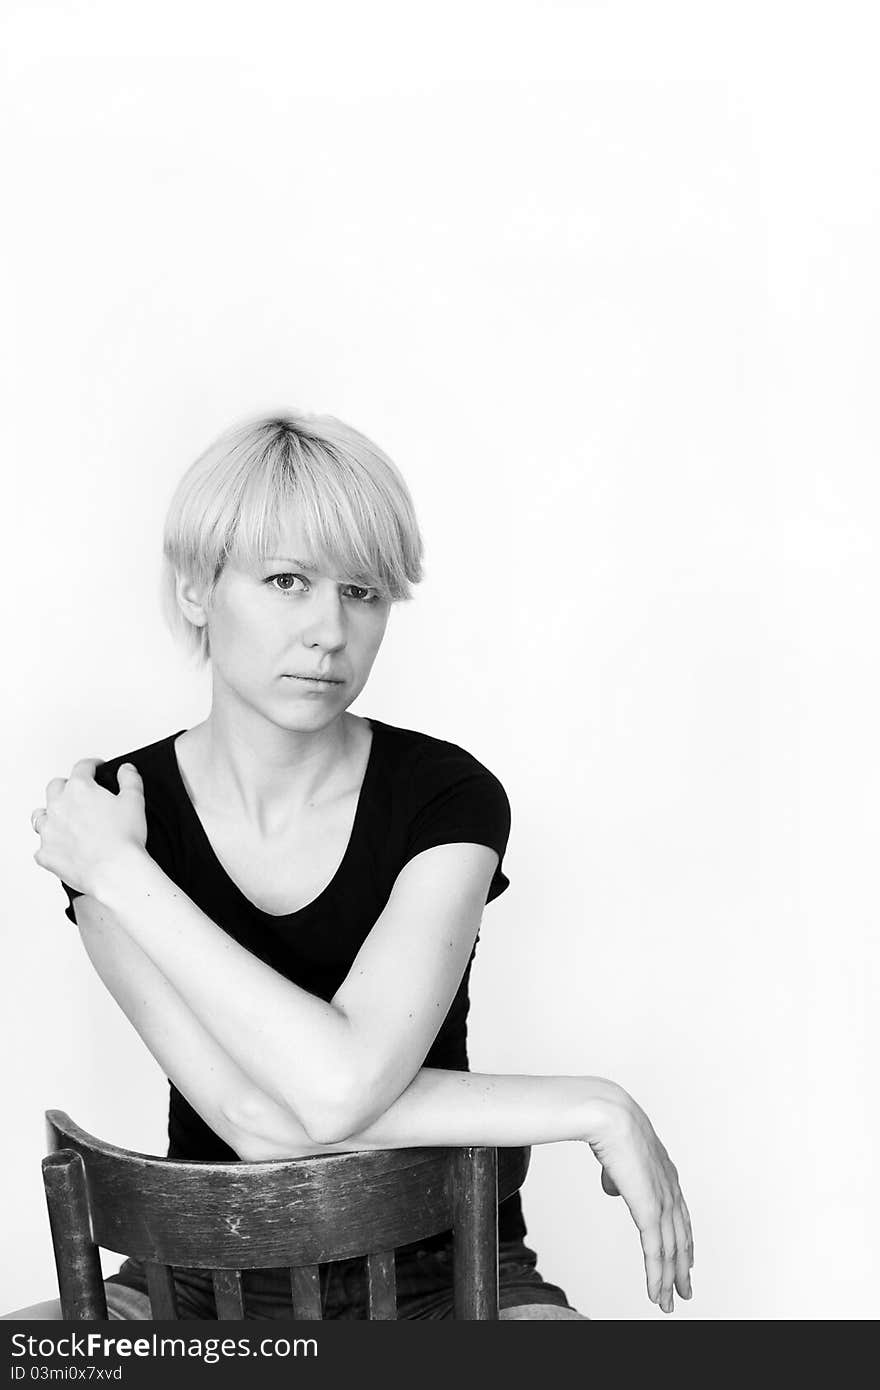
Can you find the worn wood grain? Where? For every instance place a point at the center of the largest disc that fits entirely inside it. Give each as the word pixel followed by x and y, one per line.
pixel 77 1258
pixel 475 1229
pixel 305 1282
pixel 381 1285
pixel 160 1287
pixel 228 1293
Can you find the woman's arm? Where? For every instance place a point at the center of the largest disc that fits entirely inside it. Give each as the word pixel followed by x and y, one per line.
pixel 96 842
pixel 458 1108
pixel 336 1066
pixel 454 1108
pixel 439 1107
pixel 211 1081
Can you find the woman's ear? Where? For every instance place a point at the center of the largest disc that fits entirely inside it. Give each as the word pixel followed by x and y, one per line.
pixel 191 599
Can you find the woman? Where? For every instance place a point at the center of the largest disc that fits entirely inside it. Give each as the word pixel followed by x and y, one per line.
pixel 285 899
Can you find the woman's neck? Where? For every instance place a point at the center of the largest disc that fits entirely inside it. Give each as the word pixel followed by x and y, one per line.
pixel 251 768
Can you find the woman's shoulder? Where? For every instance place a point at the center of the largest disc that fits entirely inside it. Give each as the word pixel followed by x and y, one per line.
pixel 445 795
pixel 429 757
pixel 155 763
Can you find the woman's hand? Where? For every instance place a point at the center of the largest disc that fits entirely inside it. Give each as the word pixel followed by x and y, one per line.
pixel 83 828
pixel 636 1167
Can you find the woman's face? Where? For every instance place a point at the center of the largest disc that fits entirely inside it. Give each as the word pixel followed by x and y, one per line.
pixel 291 640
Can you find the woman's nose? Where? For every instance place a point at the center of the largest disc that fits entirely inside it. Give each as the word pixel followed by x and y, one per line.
pixel 326 622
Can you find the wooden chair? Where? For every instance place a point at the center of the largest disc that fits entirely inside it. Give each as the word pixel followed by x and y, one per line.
pixel 295 1213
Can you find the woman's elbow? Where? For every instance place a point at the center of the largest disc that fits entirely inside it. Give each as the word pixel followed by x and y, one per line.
pixel 258 1127
pixel 354 1108
pixel 344 1105
pixel 332 1122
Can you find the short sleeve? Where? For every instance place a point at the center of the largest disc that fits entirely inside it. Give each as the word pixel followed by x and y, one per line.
pixel 458 801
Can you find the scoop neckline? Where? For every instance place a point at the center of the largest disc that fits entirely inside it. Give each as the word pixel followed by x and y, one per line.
pixel 204 840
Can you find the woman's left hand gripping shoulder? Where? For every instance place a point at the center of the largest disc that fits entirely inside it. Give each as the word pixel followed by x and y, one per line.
pixel 85 829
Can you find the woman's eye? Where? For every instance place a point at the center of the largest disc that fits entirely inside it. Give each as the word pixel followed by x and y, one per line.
pixel 362 594
pixel 283 586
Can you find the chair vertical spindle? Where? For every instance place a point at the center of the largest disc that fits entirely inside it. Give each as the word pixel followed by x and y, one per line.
pixel 228 1294
pixel 381 1286
pixel 475 1266
pixel 305 1285
pixel 163 1295
pixel 77 1261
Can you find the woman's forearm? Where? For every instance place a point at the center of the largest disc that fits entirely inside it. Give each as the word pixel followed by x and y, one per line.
pixel 268 1026
pixel 439 1107
pixel 456 1108
pixel 213 1084
pixel 295 1047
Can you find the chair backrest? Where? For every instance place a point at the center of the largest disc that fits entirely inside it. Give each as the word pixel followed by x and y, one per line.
pixel 294 1213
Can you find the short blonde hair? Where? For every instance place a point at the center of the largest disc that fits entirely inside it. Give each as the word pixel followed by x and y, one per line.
pixel 355 509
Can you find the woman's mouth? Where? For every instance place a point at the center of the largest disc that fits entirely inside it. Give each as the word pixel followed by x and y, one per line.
pixel 314 680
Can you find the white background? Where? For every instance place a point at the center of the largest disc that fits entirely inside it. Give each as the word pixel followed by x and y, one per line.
pixel 603 281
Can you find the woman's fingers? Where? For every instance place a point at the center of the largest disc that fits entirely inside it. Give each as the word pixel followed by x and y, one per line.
pixel 686 1216
pixel 651 1247
pixel 85 767
pixel 647 1179
pixel 54 789
pixel 682 1253
pixel 668 1254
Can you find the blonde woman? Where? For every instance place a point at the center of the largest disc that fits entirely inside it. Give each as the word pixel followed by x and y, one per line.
pixel 285 899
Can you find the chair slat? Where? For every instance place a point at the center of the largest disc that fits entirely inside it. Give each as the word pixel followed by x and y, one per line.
pixel 382 1285
pixel 77 1261
pixel 475 1252
pixel 305 1285
pixel 163 1295
pixel 228 1293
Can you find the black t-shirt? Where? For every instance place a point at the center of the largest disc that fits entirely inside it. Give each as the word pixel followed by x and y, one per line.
pixel 417 792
